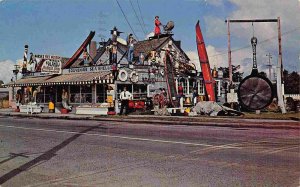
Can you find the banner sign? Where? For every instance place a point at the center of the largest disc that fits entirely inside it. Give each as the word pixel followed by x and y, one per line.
pixel 88 69
pixel 52 66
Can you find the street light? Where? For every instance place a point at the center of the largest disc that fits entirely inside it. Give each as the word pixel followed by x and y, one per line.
pixel 15 71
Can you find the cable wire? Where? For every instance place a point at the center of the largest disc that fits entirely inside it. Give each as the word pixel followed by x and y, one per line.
pixel 136 15
pixel 126 19
pixel 137 1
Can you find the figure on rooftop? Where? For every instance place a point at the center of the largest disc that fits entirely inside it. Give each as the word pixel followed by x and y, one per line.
pixel 130 43
pixel 157 24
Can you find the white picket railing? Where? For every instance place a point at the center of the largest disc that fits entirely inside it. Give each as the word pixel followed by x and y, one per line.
pixel 294 96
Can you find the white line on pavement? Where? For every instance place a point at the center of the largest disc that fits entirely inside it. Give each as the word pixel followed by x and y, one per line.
pixel 123 137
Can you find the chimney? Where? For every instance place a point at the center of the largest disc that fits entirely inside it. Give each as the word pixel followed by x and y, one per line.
pixel 93 49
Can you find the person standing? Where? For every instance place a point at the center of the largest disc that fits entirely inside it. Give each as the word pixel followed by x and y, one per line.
pixel 157 24
pixel 195 95
pixel 125 96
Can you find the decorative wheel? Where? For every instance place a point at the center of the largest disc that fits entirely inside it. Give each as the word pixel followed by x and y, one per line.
pixel 255 93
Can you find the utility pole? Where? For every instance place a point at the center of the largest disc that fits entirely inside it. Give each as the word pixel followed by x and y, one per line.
pixel 229 53
pixel 270 65
pixel 279 71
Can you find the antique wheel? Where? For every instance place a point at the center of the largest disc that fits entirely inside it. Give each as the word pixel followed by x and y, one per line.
pixel 255 92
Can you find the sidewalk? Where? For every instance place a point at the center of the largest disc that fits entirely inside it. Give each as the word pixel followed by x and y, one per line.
pixel 247 121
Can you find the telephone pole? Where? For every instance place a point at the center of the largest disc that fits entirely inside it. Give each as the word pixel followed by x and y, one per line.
pixel 269 65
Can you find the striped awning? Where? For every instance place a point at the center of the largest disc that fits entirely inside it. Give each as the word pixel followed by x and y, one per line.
pixel 29 81
pixel 81 78
pixel 104 77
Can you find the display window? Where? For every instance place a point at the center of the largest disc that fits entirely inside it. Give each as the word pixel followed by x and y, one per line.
pixel 81 94
pixel 101 93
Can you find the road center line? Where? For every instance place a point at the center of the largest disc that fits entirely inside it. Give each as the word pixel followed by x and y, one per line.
pixel 124 137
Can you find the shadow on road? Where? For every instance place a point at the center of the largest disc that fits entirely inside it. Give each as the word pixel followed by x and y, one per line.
pixel 12 156
pixel 42 158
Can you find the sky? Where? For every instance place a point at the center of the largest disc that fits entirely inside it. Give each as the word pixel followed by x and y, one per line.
pixel 58 27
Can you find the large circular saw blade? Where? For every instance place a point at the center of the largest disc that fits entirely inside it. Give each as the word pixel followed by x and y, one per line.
pixel 255 92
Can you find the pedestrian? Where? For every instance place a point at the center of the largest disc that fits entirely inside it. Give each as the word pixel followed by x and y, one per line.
pixel 125 96
pixel 157 24
pixel 195 96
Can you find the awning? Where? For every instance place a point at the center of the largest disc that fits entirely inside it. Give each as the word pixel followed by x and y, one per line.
pixel 104 77
pixel 81 78
pixel 30 81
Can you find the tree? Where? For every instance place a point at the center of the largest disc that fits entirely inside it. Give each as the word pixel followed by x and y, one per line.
pixel 236 75
pixel 1 83
pixel 291 82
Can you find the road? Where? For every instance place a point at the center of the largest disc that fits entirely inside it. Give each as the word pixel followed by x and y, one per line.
pixel 52 152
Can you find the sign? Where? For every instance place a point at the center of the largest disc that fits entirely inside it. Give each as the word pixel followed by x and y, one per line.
pixel 52 66
pixel 88 69
pixel 232 97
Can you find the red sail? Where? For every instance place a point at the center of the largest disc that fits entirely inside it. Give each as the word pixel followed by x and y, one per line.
pixel 80 50
pixel 203 58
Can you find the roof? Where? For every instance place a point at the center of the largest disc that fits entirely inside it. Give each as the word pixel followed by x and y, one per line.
pixel 81 78
pixel 30 81
pixel 146 46
pixel 74 78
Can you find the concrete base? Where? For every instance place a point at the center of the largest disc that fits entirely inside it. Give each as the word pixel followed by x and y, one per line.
pixel 92 111
pixel 31 108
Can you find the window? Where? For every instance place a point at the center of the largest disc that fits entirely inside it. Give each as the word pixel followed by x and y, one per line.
pixel 183 82
pixel 139 91
pixel 75 94
pixel 50 94
pixel 218 87
pixel 101 93
pixel 81 94
pixel 192 85
pixel 86 94
pixel 201 87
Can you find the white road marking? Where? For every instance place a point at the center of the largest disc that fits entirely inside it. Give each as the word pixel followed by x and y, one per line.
pixel 123 137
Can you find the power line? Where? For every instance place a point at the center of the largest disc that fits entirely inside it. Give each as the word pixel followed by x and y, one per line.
pixel 137 17
pixel 126 19
pixel 137 1
pixel 263 41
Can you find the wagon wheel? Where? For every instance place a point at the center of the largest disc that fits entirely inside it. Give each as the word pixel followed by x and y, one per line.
pixel 255 93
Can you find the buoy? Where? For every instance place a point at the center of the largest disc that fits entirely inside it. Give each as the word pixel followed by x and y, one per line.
pixel 134 77
pixel 123 75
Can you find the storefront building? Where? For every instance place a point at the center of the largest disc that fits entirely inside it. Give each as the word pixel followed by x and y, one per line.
pixel 93 84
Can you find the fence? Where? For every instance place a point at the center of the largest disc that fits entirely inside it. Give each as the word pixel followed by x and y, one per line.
pixel 294 96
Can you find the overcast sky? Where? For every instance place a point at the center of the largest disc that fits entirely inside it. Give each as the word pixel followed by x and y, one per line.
pixel 58 27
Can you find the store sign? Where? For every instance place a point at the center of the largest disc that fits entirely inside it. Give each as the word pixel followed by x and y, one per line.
pixel 88 69
pixel 52 66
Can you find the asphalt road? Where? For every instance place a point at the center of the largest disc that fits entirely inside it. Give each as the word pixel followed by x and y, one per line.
pixel 51 152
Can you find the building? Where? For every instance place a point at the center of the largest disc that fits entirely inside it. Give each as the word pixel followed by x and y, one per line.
pixel 93 83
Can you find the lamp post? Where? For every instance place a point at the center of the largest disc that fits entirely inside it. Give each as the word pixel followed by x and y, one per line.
pixel 15 71
pixel 24 68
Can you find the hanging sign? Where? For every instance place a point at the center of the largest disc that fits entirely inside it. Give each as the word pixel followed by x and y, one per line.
pixel 52 66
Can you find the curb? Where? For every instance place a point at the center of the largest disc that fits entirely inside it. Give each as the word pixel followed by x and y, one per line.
pixel 211 122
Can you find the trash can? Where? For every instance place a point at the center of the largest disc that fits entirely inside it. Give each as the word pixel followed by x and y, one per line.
pixel 51 107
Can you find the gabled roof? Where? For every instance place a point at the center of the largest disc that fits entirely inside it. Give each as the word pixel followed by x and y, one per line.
pixel 147 46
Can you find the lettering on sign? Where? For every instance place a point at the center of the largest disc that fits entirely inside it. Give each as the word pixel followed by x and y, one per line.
pixel 52 66
pixel 88 69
